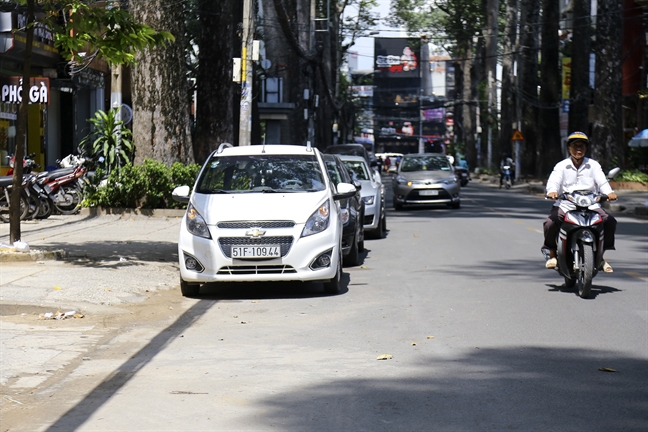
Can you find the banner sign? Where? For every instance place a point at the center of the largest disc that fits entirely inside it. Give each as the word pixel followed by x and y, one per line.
pixel 11 90
pixel 398 57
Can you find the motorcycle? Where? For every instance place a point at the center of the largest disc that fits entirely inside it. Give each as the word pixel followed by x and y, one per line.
pixel 580 241
pixel 64 186
pixel 462 175
pixel 5 199
pixel 507 176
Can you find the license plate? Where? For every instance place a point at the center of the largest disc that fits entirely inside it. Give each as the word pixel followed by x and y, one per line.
pixel 429 192
pixel 266 251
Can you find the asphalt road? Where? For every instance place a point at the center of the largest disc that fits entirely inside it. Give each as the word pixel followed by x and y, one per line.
pixel 481 336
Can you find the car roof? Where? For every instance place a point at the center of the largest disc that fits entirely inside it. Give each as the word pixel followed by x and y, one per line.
pixel 439 155
pixel 352 158
pixel 272 149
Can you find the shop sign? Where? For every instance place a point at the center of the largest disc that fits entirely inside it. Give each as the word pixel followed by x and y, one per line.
pixel 11 90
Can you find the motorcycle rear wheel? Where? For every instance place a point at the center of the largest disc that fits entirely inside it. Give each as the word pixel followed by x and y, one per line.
pixel 73 201
pixel 586 270
pixel 45 209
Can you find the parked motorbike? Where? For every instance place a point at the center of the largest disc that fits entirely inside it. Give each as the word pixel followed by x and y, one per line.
pixel 580 241
pixel 64 186
pixel 5 199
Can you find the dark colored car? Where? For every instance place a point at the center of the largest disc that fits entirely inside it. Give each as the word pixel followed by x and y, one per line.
pixel 353 150
pixel 352 211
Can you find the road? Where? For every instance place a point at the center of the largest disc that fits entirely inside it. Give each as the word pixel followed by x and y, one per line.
pixel 481 336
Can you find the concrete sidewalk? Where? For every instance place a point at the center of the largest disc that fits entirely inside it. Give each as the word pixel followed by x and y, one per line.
pixel 630 202
pixel 85 262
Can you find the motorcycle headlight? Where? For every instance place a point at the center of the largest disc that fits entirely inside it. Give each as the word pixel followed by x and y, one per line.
pixel 196 225
pixel 368 200
pixel 318 221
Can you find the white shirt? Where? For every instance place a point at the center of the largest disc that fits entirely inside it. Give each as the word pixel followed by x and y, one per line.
pixel 566 178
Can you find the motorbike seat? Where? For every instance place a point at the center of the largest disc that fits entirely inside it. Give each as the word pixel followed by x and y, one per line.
pixel 57 173
pixel 6 181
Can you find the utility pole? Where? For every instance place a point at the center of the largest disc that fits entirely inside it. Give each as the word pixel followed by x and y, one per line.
pixel 245 120
pixel 421 146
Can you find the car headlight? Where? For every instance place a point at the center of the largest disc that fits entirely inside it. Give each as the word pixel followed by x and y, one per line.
pixel 368 200
pixel 318 221
pixel 196 225
pixel 401 180
pixel 450 181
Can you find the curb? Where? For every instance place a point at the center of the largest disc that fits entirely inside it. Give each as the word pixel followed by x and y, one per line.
pixel 120 211
pixel 10 255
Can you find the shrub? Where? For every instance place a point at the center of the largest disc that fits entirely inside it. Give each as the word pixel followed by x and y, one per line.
pixel 139 186
pixel 632 176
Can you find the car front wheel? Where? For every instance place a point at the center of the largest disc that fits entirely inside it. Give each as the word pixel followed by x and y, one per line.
pixel 189 289
pixel 332 286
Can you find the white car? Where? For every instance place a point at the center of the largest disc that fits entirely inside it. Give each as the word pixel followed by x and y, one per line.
pixel 261 213
pixel 373 195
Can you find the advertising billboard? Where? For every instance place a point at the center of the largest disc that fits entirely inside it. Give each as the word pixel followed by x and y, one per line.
pixel 398 57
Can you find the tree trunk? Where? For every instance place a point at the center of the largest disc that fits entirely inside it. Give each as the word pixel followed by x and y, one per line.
pixel 491 34
pixel 508 104
pixel 580 94
pixel 161 124
pixel 607 130
pixel 218 97
pixel 548 146
pixel 468 106
pixel 21 133
pixel 528 73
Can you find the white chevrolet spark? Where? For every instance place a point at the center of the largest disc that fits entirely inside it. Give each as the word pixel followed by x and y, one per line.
pixel 261 213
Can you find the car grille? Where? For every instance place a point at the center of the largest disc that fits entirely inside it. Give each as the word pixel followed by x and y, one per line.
pixel 368 220
pixel 415 196
pixel 226 243
pixel 255 224
pixel 256 269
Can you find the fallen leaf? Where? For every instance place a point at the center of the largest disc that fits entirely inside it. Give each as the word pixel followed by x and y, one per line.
pixel 255 301
pixel 607 369
pixel 430 337
pixel 415 235
pixel 57 288
pixel 78 315
pixel 413 343
pixel 385 357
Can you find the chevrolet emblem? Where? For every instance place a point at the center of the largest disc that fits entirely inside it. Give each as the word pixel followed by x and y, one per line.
pixel 255 232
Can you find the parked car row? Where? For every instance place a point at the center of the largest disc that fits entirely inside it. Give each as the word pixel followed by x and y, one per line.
pixel 277 213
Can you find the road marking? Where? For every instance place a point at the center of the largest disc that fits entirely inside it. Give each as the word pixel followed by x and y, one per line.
pixel 636 275
pixel 536 230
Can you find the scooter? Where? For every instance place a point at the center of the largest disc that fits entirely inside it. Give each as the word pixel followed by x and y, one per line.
pixel 462 175
pixel 506 173
pixel 580 241
pixel 64 186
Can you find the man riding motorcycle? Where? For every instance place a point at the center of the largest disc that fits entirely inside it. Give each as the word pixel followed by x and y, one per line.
pixel 577 172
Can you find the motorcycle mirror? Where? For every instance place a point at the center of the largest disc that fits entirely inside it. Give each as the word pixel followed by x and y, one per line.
pixel 613 173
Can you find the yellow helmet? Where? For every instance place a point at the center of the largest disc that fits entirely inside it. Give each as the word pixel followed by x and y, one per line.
pixel 577 136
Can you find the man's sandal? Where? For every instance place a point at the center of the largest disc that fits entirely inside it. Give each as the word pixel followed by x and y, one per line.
pixel 607 268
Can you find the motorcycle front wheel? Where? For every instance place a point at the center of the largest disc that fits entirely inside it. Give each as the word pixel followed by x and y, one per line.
pixel 586 270
pixel 4 207
pixel 72 202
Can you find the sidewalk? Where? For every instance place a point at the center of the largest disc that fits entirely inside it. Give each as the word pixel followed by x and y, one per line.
pixel 129 257
pixel 629 202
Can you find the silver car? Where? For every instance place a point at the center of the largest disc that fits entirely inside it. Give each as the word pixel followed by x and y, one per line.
pixel 373 195
pixel 426 178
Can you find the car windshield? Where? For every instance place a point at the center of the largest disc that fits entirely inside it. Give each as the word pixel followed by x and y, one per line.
pixel 357 169
pixel 261 173
pixel 425 163
pixel 334 174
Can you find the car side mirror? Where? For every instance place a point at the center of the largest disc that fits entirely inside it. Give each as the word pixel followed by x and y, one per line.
pixel 344 191
pixel 613 173
pixel 181 194
pixel 357 185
